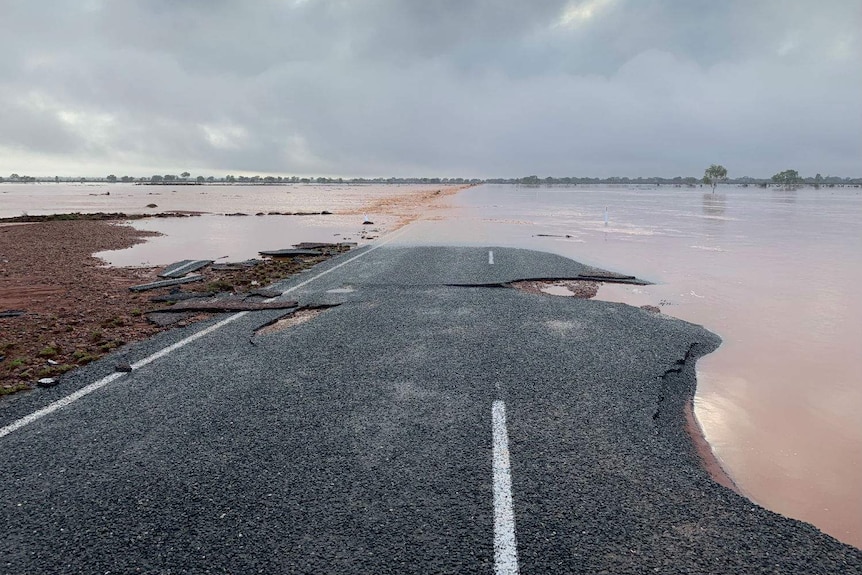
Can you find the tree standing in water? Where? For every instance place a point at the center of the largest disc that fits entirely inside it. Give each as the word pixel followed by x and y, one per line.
pixel 790 179
pixel 714 174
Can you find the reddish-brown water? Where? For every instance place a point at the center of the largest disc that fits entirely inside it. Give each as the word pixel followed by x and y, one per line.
pixel 45 198
pixel 776 273
pixel 214 235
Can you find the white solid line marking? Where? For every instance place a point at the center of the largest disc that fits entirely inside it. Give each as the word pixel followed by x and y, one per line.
pixel 84 391
pixel 505 546
pixel 184 342
pixel 490 257
pixel 27 419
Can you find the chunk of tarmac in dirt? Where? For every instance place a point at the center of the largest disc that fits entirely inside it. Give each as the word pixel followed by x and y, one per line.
pixel 290 253
pixel 236 266
pixel 166 283
pixel 225 304
pixel 175 296
pixel 179 269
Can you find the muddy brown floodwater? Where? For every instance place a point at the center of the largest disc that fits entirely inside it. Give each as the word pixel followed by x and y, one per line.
pixel 776 273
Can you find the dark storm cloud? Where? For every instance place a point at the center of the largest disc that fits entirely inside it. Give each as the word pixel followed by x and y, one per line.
pixel 467 87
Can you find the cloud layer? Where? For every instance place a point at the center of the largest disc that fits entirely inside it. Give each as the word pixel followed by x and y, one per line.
pixel 472 88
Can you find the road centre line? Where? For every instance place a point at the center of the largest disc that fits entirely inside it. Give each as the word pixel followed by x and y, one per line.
pixel 490 257
pixel 96 385
pixel 505 545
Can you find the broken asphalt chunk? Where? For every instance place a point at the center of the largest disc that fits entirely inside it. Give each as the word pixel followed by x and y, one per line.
pixel 181 295
pixel 48 382
pixel 179 269
pixel 11 313
pixel 226 304
pixel 314 245
pixel 236 266
pixel 166 283
pixel 290 253
pixel 612 278
pixel 267 293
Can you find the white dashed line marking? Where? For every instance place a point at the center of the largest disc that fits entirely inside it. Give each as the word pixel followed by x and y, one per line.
pixel 490 257
pixel 505 546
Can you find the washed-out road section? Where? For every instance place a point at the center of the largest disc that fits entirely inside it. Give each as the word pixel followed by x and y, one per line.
pixel 388 434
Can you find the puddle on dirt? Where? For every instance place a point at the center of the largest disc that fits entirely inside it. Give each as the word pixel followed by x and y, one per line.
pixel 583 289
pixel 559 290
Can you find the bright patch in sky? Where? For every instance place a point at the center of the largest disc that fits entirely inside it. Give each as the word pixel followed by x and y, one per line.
pixel 580 12
pixel 225 137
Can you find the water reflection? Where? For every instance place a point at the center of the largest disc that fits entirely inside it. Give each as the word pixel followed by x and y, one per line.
pixel 784 196
pixel 714 204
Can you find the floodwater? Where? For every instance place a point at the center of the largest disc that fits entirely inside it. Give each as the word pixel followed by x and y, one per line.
pixel 212 234
pixel 776 273
pixel 49 198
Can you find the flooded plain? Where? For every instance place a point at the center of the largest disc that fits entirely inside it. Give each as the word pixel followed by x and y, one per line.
pixel 776 273
pixel 230 222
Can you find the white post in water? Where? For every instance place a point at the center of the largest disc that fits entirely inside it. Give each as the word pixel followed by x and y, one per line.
pixel 606 216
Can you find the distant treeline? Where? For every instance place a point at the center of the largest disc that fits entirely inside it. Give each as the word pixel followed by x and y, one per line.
pixel 678 181
pixel 186 179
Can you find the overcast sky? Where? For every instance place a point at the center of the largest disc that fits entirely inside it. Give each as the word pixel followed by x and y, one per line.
pixel 470 88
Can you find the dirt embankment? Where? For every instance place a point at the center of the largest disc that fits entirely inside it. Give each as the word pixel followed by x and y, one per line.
pixel 409 206
pixel 75 310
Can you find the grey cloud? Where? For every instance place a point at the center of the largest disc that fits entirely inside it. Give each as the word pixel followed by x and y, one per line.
pixel 30 129
pixel 473 87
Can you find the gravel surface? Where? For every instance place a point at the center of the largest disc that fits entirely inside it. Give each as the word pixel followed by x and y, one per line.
pixel 360 440
pixel 75 309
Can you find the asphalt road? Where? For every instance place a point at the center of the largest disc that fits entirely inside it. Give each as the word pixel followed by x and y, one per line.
pixel 430 421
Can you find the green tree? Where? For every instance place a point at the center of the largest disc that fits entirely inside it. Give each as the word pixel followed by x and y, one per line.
pixel 788 178
pixel 201 179
pixel 714 174
pixel 185 175
pixel 112 178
